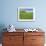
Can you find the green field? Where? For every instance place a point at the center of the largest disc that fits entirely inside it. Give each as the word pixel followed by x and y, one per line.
pixel 26 15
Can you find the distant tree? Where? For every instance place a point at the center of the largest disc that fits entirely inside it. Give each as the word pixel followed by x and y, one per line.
pixel 23 11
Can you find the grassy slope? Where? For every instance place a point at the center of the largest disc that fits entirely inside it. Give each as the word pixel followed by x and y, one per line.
pixel 26 15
